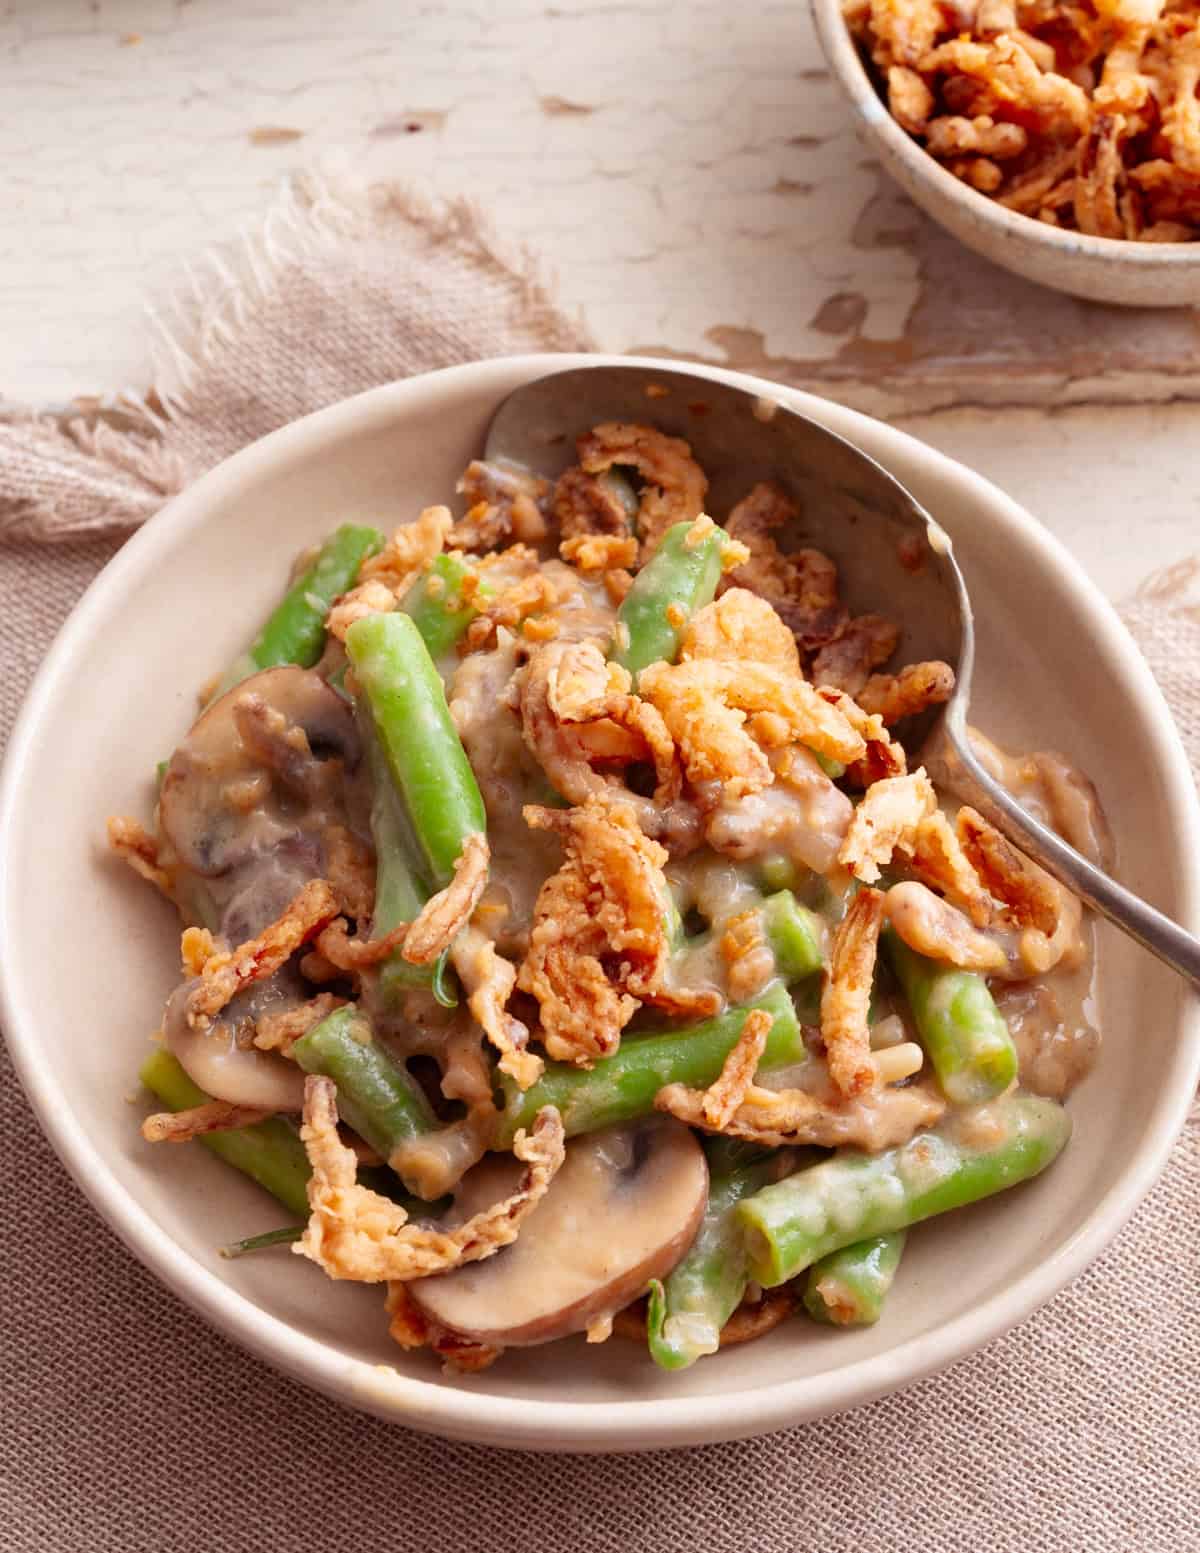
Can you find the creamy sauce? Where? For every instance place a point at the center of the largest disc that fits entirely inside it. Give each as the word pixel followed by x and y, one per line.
pixel 804 821
pixel 1054 1019
pixel 482 704
pixel 1055 792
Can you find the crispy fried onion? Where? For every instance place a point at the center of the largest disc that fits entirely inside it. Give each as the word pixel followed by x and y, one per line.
pixel 488 980
pixel 599 552
pixel 586 690
pixel 212 1116
pixel 749 961
pixel 350 869
pixel 916 687
pixel 878 1119
pixel 909 98
pixel 1012 76
pixel 674 485
pixel 801 585
pixel 886 818
pixel 905 29
pixel 846 995
pixel 940 931
pixel 599 945
pixel 572 703
pixel 504 502
pixel 225 974
pixel 353 954
pixel 355 1233
pixel 737 626
pixel 1032 188
pixel 1181 116
pixel 862 645
pixel 980 136
pixel 409 1326
pixel 705 704
pixel 1030 897
pixel 445 913
pixel 515 605
pixel 883 757
pixel 384 577
pixel 937 859
pixel 421 941
pixel 1101 194
pixel 590 506
pixel 754 1318
pixel 279 1032
pixel 196 948
pixel 133 844
pixel 720 1101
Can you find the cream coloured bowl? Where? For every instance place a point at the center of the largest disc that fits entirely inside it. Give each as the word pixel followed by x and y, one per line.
pixel 1101 269
pixel 118 689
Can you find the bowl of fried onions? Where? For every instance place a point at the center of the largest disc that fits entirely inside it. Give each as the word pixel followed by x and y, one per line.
pixel 1058 138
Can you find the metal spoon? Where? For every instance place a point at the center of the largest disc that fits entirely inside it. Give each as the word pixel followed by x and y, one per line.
pixel 850 506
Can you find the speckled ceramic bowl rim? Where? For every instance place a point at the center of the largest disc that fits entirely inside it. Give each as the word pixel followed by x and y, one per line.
pixel 1111 252
pixel 559 1425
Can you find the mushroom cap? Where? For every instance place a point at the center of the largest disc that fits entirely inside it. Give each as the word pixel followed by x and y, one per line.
pixel 623 1209
pixel 241 781
pixel 231 1069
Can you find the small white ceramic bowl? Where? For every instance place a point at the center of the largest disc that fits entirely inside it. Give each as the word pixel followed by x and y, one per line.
pixel 90 952
pixel 1100 269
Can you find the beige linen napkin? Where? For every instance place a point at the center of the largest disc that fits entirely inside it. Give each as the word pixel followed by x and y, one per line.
pixel 127 1424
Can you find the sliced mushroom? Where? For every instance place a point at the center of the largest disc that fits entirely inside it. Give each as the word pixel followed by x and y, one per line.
pixel 223 1062
pixel 264 751
pixel 623 1209
pixel 246 806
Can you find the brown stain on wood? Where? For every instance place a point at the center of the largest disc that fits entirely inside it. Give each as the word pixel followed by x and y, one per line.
pixel 414 122
pixel 274 135
pixel 843 313
pixel 555 107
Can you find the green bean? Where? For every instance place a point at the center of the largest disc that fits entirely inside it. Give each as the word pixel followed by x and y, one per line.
pixel 400 893
pixel 269 1152
pixel 436 606
pixel 688 1310
pixel 286 1235
pixel 377 1096
pixel 294 631
pixel 847 1288
pixel 407 703
pixel 794 934
pixel 622 1087
pixel 778 872
pixel 675 582
pixel 854 1196
pixel 958 1024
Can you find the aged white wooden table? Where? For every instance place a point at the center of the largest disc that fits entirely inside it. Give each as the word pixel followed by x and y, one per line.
pixel 686 167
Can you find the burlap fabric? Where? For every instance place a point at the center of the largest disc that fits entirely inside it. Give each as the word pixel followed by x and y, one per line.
pixel 126 1424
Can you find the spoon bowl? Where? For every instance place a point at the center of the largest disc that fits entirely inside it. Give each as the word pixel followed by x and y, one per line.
pixel 892 556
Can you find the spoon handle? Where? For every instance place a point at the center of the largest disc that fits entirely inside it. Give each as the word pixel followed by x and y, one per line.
pixel 966 777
